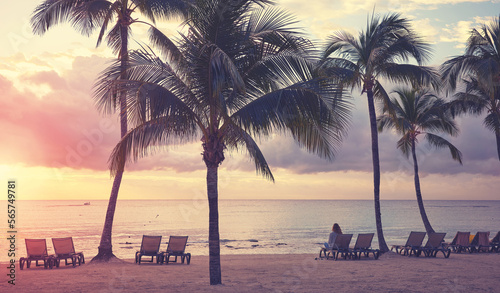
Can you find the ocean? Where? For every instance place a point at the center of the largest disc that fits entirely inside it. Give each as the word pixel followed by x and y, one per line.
pixel 246 226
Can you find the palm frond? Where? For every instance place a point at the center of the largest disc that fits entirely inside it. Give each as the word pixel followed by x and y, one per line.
pixel 50 13
pixel 344 45
pixel 492 122
pixel 273 20
pixel 404 145
pixel 145 139
pixel 162 9
pixel 88 16
pixel 384 122
pixel 235 137
pixel 115 38
pixel 166 47
pixel 108 17
pixel 306 110
pixel 439 142
pixel 411 74
pixel 344 71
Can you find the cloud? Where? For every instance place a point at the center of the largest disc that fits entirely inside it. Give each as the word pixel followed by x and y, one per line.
pixel 426 30
pixel 475 142
pixel 60 128
pixel 457 33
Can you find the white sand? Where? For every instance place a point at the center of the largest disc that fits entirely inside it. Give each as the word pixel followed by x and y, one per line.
pixel 271 273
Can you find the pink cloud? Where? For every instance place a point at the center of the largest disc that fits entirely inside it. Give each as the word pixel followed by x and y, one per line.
pixel 62 129
pixel 50 78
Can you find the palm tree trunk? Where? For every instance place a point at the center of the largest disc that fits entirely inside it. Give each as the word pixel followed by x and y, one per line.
pixel 376 171
pixel 213 226
pixel 105 252
pixel 427 224
pixel 497 134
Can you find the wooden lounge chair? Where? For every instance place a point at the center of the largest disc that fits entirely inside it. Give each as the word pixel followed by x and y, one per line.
pixel 480 242
pixel 65 250
pixel 460 242
pixel 176 247
pixel 433 246
pixel 340 247
pixel 36 250
pixel 495 243
pixel 363 246
pixel 414 240
pixel 150 246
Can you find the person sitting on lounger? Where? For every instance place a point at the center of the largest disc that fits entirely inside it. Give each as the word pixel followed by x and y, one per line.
pixel 336 230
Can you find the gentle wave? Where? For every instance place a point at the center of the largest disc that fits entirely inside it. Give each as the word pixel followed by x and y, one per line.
pixel 246 226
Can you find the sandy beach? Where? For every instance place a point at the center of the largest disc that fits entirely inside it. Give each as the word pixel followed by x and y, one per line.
pixel 271 273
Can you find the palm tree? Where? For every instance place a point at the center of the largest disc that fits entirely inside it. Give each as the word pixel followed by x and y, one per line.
pixel 415 113
pixel 479 69
pixel 86 16
pixel 239 73
pixel 363 61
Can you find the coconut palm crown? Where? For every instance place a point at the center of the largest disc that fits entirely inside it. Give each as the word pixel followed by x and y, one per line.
pixel 240 72
pixel 381 52
pixel 479 71
pixel 414 113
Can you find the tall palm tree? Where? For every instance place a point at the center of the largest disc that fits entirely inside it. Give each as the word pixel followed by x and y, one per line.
pixel 479 69
pixel 375 54
pixel 86 16
pixel 240 72
pixel 414 113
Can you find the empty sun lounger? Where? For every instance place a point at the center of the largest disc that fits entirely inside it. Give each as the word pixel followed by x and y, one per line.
pixel 65 250
pixel 480 242
pixel 36 250
pixel 414 240
pixel 150 246
pixel 176 247
pixel 433 246
pixel 460 242
pixel 363 246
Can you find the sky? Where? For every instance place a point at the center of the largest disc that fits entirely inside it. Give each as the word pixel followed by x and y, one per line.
pixel 56 145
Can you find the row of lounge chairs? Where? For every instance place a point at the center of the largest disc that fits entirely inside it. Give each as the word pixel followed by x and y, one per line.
pixel 480 242
pixel 341 247
pixel 36 250
pixel 435 243
pixel 413 245
pixel 176 247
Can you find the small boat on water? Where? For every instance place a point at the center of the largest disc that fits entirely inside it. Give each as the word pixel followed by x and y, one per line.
pixel 86 203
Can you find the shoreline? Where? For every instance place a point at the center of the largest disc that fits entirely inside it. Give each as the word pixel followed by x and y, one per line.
pixel 476 272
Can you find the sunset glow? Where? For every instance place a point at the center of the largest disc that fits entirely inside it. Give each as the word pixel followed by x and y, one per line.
pixel 56 144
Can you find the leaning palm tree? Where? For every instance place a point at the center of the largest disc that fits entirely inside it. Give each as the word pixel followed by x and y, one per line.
pixel 87 16
pixel 414 113
pixel 363 61
pixel 239 73
pixel 479 69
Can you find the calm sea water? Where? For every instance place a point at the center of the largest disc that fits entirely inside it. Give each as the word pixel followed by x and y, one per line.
pixel 246 226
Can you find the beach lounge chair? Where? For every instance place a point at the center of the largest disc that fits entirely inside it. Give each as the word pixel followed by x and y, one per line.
pixel 340 247
pixel 495 243
pixel 363 246
pixel 414 240
pixel 36 250
pixel 150 246
pixel 176 247
pixel 433 246
pixel 480 242
pixel 65 250
pixel 460 242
